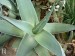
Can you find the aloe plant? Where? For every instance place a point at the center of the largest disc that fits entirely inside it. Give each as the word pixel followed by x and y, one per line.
pixel 36 36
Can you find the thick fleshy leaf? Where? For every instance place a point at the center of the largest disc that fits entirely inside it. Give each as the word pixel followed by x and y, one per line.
pixel 27 11
pixel 7 28
pixel 38 11
pixel 31 53
pixel 41 51
pixel 27 44
pixel 12 14
pixel 49 42
pixel 71 35
pixel 56 28
pixel 8 4
pixel 39 27
pixel 23 25
pixel 4 38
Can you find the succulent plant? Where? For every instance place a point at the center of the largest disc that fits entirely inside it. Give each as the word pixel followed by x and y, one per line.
pixel 36 36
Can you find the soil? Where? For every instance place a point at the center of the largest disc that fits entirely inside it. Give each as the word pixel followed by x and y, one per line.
pixel 8 52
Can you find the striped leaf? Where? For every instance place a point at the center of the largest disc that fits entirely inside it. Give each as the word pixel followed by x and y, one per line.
pixel 39 27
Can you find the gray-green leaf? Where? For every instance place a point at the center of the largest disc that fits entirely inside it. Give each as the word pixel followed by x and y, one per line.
pixel 49 42
pixel 7 28
pixel 23 25
pixel 56 28
pixel 26 45
pixel 39 27
pixel 27 11
pixel 8 4
pixel 41 51
pixel 4 38
pixel 32 53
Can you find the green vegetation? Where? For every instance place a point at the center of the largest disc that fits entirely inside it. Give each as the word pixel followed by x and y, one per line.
pixel 20 18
